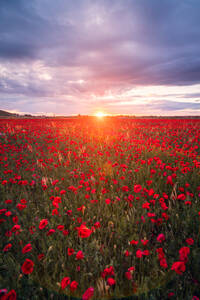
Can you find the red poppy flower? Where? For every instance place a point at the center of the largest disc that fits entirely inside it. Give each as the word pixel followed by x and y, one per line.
pixel 127 253
pixel 43 223
pixel 128 275
pixel 62 192
pixel 139 253
pixel 65 232
pixel 70 251
pixel 73 286
pixel 20 206
pixel 27 266
pixel 8 213
pixel 133 242
pixel 131 269
pixel 50 232
pixel 79 255
pixel 7 247
pixel 65 282
pixel 163 263
pixel 8 201
pixel 169 180
pixel 181 197
pixel 83 231
pixel 88 293
pixel 10 296
pixel 146 252
pixel 40 256
pixel 146 205
pixel 160 252
pixel 108 271
pixel 27 248
pixel 144 242
pixel 137 188
pixel 15 228
pixel 171 294
pixel 178 267
pixel 97 225
pixel 15 219
pixel 107 201
pixel 190 241
pixel 54 212
pixel 161 238
pixel 183 254
pixel 60 227
pixel 111 281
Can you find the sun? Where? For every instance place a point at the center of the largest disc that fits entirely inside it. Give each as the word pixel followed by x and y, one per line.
pixel 100 114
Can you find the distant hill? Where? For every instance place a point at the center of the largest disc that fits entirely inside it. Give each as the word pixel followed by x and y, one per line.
pixel 4 113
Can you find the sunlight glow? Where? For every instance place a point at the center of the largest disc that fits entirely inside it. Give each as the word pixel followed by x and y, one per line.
pixel 100 114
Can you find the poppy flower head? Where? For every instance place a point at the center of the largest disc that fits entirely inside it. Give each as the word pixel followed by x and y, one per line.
pixel 27 266
pixel 88 294
pixel 43 224
pixel 65 282
pixel 178 267
pixel 83 231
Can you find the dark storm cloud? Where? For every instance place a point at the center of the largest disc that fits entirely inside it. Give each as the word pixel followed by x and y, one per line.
pixel 109 46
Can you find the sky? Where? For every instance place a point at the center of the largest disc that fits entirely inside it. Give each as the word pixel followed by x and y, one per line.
pixel 67 57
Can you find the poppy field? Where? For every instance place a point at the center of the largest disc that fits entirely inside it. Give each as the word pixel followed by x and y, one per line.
pixel 100 208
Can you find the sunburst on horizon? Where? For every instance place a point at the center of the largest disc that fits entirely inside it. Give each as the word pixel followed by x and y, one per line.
pixel 100 114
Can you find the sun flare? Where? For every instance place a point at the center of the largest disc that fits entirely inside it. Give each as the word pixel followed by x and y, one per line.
pixel 100 114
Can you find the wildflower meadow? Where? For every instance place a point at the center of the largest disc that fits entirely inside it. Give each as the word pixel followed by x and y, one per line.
pixel 100 208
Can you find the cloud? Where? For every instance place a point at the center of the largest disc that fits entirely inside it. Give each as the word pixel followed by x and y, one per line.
pixel 165 105
pixel 89 50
